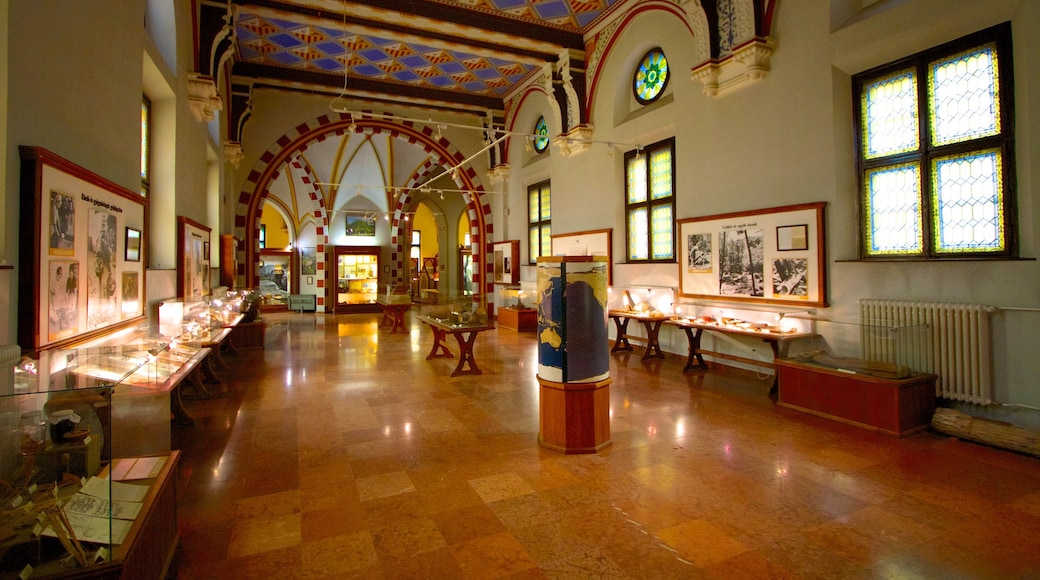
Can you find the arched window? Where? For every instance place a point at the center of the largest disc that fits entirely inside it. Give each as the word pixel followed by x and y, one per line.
pixel 651 76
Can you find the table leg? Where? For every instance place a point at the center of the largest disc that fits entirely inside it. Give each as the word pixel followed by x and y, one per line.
pixel 621 342
pixel 653 345
pixel 694 339
pixel 466 357
pixel 779 351
pixel 180 415
pixel 439 350
pixel 398 320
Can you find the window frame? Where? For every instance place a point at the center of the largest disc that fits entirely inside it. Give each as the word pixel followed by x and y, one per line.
pixel 538 224
pixel 664 84
pixel 146 145
pixel 649 203
pixel 926 154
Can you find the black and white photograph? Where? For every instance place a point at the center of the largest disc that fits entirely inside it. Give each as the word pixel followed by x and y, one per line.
pixel 101 274
pixel 63 224
pixel 790 277
pixel 741 267
pixel 130 297
pixel 63 302
pixel 698 256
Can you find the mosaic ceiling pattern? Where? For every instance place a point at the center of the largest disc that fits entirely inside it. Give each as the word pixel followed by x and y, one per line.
pixel 306 44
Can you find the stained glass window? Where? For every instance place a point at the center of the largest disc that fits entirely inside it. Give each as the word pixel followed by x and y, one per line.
pixel 937 185
pixel 541 142
pixel 651 76
pixel 650 202
pixel 539 222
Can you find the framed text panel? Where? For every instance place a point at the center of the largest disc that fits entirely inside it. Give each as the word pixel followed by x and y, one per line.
pixel 507 262
pixel 193 272
pixel 773 255
pixel 79 277
pixel 587 243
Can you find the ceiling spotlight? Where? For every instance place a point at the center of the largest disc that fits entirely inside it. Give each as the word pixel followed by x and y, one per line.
pixel 442 194
pixel 359 190
pixel 527 144
pixel 455 173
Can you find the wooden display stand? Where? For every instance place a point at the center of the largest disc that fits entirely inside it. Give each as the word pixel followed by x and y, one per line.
pixel 518 319
pixel 897 407
pixel 574 417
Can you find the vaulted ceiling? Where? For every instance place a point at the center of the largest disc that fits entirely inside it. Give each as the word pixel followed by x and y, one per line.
pixel 456 55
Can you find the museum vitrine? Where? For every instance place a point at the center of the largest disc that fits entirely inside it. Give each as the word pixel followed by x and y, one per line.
pixel 274 278
pixel 357 278
pixel 516 308
pixel 457 310
pixel 79 495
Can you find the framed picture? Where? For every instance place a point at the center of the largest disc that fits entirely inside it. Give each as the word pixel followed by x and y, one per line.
pixel 774 255
pixel 193 272
pixel 791 238
pixel 308 261
pixel 506 263
pixel 360 225
pixel 587 243
pixel 133 245
pixel 73 281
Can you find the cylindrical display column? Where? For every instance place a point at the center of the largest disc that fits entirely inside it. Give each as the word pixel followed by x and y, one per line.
pixel 573 354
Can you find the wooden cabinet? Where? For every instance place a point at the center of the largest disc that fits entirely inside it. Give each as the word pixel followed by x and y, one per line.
pixel 518 319
pixel 892 406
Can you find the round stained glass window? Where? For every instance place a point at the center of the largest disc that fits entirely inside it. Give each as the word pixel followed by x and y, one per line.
pixel 541 142
pixel 651 76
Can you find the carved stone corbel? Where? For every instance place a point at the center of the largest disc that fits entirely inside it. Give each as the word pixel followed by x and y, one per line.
pixel 498 174
pixel 748 64
pixel 233 153
pixel 203 98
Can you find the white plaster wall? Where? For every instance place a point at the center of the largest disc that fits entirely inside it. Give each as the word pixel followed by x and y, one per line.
pixel 789 139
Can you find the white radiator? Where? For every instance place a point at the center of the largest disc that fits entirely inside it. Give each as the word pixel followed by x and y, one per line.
pixel 949 340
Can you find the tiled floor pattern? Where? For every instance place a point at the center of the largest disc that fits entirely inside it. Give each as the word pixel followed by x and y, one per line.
pixel 341 452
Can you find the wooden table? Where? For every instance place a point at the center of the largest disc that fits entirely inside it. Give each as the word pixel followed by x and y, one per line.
pixel 778 342
pixel 394 308
pixel 651 323
pixel 465 335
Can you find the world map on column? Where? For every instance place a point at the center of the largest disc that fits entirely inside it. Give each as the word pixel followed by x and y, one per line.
pixel 572 332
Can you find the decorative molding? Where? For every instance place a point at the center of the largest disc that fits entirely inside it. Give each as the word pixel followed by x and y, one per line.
pixel 498 174
pixel 233 153
pixel 748 64
pixel 574 141
pixel 203 98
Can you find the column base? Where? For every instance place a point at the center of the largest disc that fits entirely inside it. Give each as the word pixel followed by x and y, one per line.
pixel 574 417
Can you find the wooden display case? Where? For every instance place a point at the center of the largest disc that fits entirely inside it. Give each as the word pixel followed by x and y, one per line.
pixel 897 407
pixel 356 285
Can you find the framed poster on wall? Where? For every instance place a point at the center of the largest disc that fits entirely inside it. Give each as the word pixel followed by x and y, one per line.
pixel 507 262
pixel 773 255
pixel 193 272
pixel 79 278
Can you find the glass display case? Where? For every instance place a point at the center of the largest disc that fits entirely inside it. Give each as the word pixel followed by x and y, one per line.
pixel 357 278
pixel 76 491
pixel 456 310
pixel 516 308
pixel 274 277
pixel 658 301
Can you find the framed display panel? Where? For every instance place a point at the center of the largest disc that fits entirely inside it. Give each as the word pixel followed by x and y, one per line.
pixel 587 243
pixel 193 271
pixel 78 277
pixel 507 262
pixel 773 256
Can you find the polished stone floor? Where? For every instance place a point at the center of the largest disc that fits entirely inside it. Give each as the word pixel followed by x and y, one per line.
pixel 341 452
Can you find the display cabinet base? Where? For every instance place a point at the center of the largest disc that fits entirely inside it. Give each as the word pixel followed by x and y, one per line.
pixel 520 320
pixel 897 407
pixel 574 417
pixel 248 335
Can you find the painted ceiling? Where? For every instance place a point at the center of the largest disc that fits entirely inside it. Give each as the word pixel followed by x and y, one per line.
pixel 465 53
